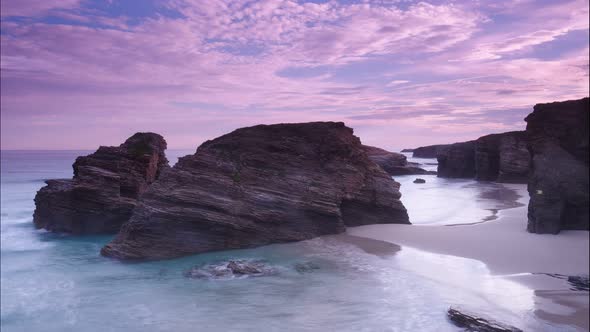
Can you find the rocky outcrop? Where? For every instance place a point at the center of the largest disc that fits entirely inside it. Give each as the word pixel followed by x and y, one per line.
pixel 558 185
pixel 260 185
pixel 430 151
pixel 502 157
pixel 393 163
pixel 497 157
pixel 239 268
pixel 105 187
pixel 457 161
pixel 408 150
pixel 474 323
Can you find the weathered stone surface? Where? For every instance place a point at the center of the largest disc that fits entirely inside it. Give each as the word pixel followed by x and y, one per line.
pixel 105 187
pixel 474 323
pixel 430 151
pixel 457 161
pixel 559 183
pixel 393 163
pixel 260 185
pixel 502 157
pixel 240 268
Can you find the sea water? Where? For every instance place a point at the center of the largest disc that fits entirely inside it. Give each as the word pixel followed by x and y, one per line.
pixel 56 282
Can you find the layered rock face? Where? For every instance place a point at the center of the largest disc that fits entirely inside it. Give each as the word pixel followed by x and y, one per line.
pixel 502 157
pixel 393 163
pixel 498 157
pixel 558 185
pixel 457 161
pixel 430 151
pixel 105 187
pixel 260 185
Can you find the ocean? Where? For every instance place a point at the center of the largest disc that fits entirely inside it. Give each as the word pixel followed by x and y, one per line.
pixel 58 282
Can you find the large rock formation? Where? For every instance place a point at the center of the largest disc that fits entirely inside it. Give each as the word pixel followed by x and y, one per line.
pixel 502 157
pixel 457 161
pixel 558 185
pixel 260 185
pixel 104 189
pixel 497 157
pixel 430 151
pixel 393 163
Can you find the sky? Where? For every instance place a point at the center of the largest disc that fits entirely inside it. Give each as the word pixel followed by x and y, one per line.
pixel 76 74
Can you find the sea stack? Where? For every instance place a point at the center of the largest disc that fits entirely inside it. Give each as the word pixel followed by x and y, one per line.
pixel 105 187
pixel 558 185
pixel 260 185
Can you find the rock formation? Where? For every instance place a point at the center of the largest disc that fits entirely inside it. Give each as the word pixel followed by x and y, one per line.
pixel 260 185
pixel 430 151
pixel 474 323
pixel 393 163
pixel 497 157
pixel 408 150
pixel 558 185
pixel 457 161
pixel 105 187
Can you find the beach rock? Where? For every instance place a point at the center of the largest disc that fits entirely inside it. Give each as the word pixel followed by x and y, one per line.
pixel 559 182
pixel 502 157
pixel 105 187
pixel 305 267
pixel 419 181
pixel 473 323
pixel 231 269
pixel 408 150
pixel 457 161
pixel 430 151
pixel 393 163
pixel 260 185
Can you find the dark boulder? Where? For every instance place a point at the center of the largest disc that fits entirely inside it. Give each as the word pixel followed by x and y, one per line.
pixel 559 183
pixel 418 180
pixel 430 151
pixel 502 157
pixel 474 323
pixel 105 187
pixel 260 185
pixel 393 163
pixel 240 268
pixel 457 161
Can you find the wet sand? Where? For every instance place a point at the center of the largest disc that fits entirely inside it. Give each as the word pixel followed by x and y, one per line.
pixel 509 250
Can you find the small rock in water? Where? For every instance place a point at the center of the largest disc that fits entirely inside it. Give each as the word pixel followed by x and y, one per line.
pixel 230 269
pixel 581 283
pixel 305 267
pixel 474 323
pixel 418 180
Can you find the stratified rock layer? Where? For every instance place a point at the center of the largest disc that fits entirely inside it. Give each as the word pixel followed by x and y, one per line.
pixel 430 151
pixel 457 161
pixel 502 157
pixel 105 187
pixel 260 185
pixel 498 157
pixel 558 185
pixel 393 163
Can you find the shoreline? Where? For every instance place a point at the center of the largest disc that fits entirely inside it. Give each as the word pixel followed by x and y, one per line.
pixel 509 251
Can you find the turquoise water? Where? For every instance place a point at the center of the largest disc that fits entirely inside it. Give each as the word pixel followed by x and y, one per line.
pixel 52 282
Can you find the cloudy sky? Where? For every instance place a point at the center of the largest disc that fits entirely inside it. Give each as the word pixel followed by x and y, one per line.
pixel 77 74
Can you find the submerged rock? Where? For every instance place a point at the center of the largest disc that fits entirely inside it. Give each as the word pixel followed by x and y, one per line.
pixel 104 190
pixel 305 267
pixel 231 269
pixel 260 185
pixel 559 182
pixel 474 323
pixel 418 180
pixel 581 283
pixel 393 163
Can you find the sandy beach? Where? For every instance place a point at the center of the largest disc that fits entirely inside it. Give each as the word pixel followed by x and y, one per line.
pixel 510 251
